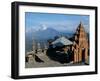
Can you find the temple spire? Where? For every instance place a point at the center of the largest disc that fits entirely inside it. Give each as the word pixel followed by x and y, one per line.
pixel 80 25
pixel 80 22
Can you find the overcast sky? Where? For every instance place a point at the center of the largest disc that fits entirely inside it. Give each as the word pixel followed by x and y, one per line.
pixel 59 22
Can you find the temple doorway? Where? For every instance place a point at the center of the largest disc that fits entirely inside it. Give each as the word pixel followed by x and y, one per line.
pixel 83 55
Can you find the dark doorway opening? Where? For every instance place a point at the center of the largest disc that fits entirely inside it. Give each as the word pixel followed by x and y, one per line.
pixel 83 55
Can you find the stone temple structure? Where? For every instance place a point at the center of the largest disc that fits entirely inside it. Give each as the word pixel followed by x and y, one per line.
pixel 80 46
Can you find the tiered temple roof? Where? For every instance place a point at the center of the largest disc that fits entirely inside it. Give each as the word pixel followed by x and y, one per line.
pixel 62 41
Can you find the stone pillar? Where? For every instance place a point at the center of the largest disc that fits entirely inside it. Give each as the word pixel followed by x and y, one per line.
pixel 39 50
pixel 86 56
pixel 80 54
pixel 45 48
pixel 33 47
pixel 75 56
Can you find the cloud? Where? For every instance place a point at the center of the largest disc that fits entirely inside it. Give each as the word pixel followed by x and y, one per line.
pixel 68 26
